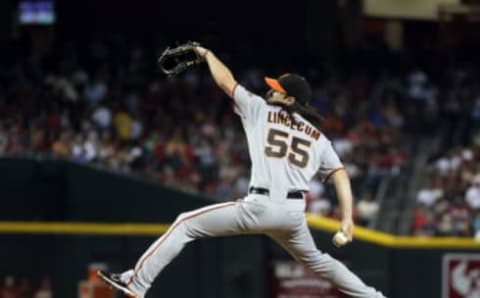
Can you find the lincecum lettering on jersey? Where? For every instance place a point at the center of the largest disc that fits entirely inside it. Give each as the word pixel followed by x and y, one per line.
pixel 284 119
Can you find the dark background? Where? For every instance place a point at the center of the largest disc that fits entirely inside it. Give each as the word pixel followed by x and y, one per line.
pixel 271 34
pixel 264 33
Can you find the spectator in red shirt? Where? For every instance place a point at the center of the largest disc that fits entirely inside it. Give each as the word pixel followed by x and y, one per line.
pixel 8 290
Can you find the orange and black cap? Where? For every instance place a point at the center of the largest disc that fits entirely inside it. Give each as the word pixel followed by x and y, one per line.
pixel 293 85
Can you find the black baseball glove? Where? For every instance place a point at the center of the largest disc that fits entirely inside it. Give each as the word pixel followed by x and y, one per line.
pixel 174 61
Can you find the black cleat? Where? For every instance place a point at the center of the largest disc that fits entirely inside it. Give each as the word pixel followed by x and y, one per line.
pixel 114 281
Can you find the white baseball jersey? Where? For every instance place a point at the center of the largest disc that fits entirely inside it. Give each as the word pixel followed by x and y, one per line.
pixel 285 155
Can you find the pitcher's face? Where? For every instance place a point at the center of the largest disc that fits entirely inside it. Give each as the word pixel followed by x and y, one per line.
pixel 275 97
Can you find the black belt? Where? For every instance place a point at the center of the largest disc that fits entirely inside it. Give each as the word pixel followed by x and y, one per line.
pixel 296 195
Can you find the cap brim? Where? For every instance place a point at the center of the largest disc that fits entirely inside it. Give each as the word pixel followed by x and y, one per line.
pixel 275 85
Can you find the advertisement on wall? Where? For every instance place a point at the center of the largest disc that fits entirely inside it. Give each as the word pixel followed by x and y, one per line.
pixel 292 280
pixel 461 276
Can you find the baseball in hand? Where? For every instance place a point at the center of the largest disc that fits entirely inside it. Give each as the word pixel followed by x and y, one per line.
pixel 340 239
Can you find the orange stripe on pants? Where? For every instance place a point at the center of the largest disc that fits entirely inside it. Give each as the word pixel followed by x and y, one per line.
pixel 169 232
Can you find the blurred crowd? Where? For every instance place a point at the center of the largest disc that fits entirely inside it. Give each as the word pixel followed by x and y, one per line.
pixel 104 103
pixel 25 288
pixel 448 202
pixel 107 105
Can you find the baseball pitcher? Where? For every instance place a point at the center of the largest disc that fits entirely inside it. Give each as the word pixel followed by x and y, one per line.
pixel 286 149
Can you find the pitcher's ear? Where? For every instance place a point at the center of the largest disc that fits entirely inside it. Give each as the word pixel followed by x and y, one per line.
pixel 290 100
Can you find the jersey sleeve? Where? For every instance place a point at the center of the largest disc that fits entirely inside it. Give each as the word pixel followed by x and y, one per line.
pixel 247 104
pixel 330 162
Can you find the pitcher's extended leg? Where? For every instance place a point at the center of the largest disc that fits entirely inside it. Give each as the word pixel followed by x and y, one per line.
pixel 215 220
pixel 299 243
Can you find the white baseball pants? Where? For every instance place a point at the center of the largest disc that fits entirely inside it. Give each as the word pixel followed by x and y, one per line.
pixel 283 222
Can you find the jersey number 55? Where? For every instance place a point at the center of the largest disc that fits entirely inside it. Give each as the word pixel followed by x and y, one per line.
pixel 279 147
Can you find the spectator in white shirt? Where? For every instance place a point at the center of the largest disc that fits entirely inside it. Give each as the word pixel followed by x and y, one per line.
pixel 428 195
pixel 367 209
pixel 472 195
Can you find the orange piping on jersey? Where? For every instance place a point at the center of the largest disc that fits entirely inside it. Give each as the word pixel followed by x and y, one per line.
pixel 275 85
pixel 331 173
pixel 233 90
pixel 234 104
pixel 170 231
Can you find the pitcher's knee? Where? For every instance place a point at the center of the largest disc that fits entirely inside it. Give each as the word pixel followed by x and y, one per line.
pixel 184 226
pixel 181 217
